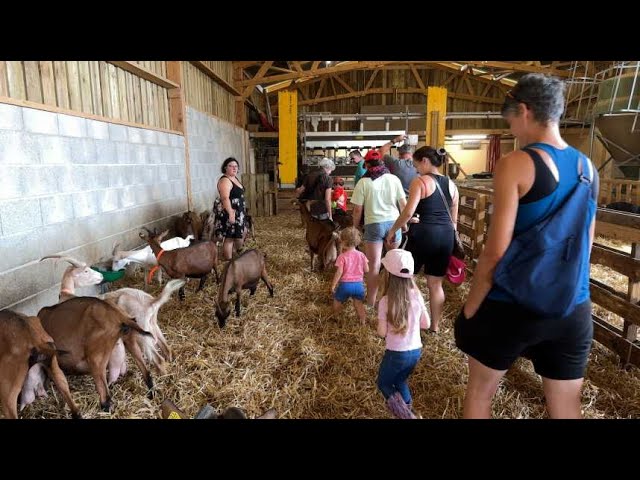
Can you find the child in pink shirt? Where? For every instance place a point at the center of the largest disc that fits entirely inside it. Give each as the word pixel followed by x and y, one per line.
pixel 351 265
pixel 401 315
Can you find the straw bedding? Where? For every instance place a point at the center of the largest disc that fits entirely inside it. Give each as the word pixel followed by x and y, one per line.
pixel 291 353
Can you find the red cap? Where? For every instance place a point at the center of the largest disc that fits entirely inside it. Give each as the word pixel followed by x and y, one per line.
pixel 372 155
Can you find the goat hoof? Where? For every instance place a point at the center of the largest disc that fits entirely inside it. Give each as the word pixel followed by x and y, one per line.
pixel 106 406
pixel 76 416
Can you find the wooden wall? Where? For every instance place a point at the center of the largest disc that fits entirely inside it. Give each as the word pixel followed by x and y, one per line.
pixel 117 90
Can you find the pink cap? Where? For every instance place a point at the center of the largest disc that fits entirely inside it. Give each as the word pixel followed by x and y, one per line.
pixel 399 262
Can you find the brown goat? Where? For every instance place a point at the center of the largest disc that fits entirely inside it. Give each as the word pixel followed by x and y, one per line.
pixel 241 273
pixel 194 261
pixel 23 342
pixel 190 223
pixel 88 329
pixel 323 239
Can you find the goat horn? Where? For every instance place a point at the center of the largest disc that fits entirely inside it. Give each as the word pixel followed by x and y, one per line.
pixel 71 260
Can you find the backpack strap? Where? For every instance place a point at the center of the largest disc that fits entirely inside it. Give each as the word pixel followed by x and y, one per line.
pixel 446 205
pixel 583 159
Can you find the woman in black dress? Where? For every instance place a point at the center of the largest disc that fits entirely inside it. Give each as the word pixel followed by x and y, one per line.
pixel 229 209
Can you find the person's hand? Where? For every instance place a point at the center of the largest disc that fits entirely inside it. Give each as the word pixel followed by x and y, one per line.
pixel 399 138
pixel 390 238
pixel 404 228
pixel 232 217
pixel 415 219
pixel 333 288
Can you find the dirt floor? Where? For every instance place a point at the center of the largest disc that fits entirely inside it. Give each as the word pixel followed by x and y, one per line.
pixel 291 353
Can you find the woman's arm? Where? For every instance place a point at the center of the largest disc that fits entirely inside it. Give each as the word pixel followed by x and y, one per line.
pixel 509 172
pixel 454 205
pixel 415 192
pixel 225 190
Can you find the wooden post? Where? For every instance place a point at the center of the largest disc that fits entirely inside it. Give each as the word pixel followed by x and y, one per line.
pixel 178 117
pixel 241 117
pixel 481 213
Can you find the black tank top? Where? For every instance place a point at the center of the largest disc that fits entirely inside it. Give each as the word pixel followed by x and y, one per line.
pixel 236 191
pixel 432 209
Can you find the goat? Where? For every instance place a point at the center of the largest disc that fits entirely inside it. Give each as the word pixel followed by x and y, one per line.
pixel 144 308
pixel 24 343
pixel 189 223
pixel 323 239
pixel 79 275
pixel 195 261
pixel 145 256
pixel 241 273
pixel 88 329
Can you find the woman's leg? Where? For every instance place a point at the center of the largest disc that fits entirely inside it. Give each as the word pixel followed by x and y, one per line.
pixel 227 248
pixel 373 251
pixel 481 387
pixel 436 300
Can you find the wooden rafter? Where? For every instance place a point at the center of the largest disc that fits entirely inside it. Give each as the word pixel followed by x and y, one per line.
pixel 417 76
pixel 263 69
pixel 413 90
pixel 519 67
pixel 142 72
pixel 343 83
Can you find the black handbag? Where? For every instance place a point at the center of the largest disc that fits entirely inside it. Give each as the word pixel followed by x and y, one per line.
pixel 458 246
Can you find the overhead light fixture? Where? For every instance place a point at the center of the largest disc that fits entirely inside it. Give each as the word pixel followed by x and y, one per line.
pixel 327 63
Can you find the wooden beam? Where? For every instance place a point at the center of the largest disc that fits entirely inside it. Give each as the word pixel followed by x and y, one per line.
pixel 619 261
pixel 245 64
pixel 315 65
pixel 204 68
pixel 372 91
pixel 142 72
pixel 613 301
pixel 519 67
pixel 371 79
pixel 322 84
pixel 255 80
pixel 343 83
pixel 178 118
pixel 417 77
pixel 75 113
pixel 618 218
pixel 314 71
pixel 241 116
pixel 296 66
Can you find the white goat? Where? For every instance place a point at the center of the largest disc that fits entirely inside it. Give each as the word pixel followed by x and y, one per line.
pixel 144 308
pixel 145 256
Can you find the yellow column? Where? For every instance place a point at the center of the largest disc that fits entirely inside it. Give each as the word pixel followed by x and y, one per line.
pixel 436 112
pixel 288 136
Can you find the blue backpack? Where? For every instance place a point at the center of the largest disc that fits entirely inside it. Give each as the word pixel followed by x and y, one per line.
pixel 541 268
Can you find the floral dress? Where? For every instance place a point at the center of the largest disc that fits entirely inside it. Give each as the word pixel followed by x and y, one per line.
pixel 222 226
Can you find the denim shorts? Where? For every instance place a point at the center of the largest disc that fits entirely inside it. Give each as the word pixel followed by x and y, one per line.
pixel 377 232
pixel 347 290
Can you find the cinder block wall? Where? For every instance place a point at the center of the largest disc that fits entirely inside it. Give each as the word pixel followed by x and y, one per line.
pixel 70 185
pixel 211 141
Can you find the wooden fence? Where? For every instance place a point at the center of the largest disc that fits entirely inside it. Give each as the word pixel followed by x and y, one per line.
pixel 259 195
pixel 474 217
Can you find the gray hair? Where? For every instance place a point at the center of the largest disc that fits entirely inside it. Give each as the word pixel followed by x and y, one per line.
pixel 542 94
pixel 327 163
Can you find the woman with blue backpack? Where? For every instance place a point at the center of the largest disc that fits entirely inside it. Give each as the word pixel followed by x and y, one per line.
pixel 530 291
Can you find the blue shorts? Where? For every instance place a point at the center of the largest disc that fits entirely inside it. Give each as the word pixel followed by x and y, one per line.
pixel 347 290
pixel 377 232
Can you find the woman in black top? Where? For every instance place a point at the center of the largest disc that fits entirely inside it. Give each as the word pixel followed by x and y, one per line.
pixel 431 238
pixel 229 209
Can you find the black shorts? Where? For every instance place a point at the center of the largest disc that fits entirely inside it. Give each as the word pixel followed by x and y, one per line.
pixel 431 247
pixel 500 332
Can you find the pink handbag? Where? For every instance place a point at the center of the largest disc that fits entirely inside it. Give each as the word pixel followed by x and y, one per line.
pixel 456 272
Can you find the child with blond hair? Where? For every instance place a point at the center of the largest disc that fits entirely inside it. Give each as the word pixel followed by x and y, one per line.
pixel 348 281
pixel 401 315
